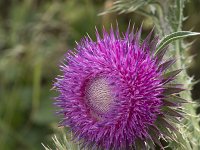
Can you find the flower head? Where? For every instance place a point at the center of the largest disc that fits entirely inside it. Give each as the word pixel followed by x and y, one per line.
pixel 116 92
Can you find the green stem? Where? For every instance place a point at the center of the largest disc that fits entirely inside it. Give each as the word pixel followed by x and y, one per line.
pixel 36 87
pixel 190 130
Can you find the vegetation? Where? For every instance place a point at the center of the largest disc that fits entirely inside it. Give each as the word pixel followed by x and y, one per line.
pixel 35 35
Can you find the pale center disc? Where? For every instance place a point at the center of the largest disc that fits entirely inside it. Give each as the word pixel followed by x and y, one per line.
pixel 99 96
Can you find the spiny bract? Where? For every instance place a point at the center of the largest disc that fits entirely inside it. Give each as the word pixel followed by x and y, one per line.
pixel 117 93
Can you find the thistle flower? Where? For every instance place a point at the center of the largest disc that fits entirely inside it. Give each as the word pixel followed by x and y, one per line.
pixel 118 93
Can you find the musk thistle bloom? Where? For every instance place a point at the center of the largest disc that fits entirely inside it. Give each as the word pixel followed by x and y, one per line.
pixel 117 92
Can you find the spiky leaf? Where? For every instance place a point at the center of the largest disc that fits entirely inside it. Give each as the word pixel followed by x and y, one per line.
pixel 172 37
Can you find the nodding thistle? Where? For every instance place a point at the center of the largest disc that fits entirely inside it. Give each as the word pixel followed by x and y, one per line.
pixel 117 92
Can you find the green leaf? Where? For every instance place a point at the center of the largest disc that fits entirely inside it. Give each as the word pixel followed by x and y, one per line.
pixel 62 142
pixel 172 37
pixel 126 6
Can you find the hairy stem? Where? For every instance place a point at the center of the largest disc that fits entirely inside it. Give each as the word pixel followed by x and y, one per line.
pixel 190 127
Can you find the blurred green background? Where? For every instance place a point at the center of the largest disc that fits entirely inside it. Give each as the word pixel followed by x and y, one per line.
pixel 34 35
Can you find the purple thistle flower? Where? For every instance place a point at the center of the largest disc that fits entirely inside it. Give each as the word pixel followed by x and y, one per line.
pixel 117 92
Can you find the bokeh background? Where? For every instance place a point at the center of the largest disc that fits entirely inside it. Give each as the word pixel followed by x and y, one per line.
pixel 34 35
